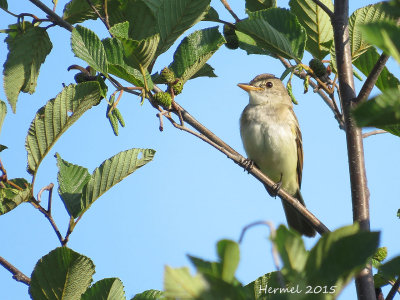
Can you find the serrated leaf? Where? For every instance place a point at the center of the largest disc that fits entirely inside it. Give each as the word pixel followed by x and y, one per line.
pixel 382 111
pixel 53 119
pixel 105 289
pixel 211 15
pixel 179 283
pixel 194 51
pixel 339 255
pixel 3 4
pixel 61 274
pixel 71 181
pixel 118 67
pixel 291 250
pixel 259 285
pixel 149 295
pixel 317 25
pixel 77 11
pixel 391 268
pixel 229 255
pixel 139 54
pixel 87 46
pixel 385 35
pixel 112 171
pixel 3 112
pixel 11 196
pixel 277 31
pixel 248 44
pixel 255 5
pixel 205 71
pixel 367 14
pixel 120 30
pixel 206 267
pixel 21 69
pixel 174 17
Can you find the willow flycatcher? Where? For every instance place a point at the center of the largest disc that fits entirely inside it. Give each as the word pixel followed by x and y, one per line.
pixel 272 140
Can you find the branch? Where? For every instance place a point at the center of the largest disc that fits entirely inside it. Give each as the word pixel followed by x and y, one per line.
pixel 355 151
pixel 98 14
pixel 17 274
pixel 52 15
pixel 372 78
pixel 226 4
pixel 324 8
pixel 368 134
pixel 393 290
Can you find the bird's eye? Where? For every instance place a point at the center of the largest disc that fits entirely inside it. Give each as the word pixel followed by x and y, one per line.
pixel 269 85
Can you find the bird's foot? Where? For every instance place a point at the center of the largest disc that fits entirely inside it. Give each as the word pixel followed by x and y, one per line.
pixel 276 187
pixel 248 164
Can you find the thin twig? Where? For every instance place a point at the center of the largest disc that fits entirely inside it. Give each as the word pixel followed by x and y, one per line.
pixel 274 250
pixel 372 78
pixel 393 290
pixel 106 13
pixel 52 15
pixel 17 274
pixel 368 134
pixel 324 8
pixel 98 14
pixel 226 4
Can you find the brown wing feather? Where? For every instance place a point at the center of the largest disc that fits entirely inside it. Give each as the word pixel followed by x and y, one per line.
pixel 299 144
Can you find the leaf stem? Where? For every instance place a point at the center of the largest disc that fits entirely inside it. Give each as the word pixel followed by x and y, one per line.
pixel 99 15
pixel 374 132
pixel 227 6
pixel 52 15
pixel 17 274
pixel 324 8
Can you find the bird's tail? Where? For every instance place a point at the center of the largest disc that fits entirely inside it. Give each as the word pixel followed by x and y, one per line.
pixel 296 220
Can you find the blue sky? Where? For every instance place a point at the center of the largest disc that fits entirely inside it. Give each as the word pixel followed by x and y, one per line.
pixel 190 196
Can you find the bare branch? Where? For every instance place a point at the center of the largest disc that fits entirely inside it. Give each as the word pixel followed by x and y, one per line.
pixel 17 274
pixel 226 4
pixel 324 8
pixel 368 134
pixel 393 290
pixel 52 15
pixel 372 78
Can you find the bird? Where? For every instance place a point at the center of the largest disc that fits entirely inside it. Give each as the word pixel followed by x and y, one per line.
pixel 272 140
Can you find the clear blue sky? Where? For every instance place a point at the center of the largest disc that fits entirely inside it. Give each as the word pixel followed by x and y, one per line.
pixel 191 195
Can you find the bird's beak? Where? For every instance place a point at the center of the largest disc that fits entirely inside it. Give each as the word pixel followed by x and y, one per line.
pixel 248 87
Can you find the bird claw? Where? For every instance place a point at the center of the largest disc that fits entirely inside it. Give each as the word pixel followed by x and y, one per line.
pixel 248 164
pixel 273 192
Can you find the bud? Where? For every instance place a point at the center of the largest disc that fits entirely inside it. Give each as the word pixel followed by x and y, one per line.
pixel 178 86
pixel 318 67
pixel 164 99
pixel 306 83
pixel 119 117
pixel 290 92
pixel 168 75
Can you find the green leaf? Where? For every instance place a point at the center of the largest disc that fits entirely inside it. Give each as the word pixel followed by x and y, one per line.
pixel 11 196
pixel 71 181
pixel 380 111
pixel 248 44
pixel 317 25
pixel 291 250
pixel 3 112
pixel 53 119
pixel 194 51
pixel 277 31
pixel 391 268
pixel 105 289
pixel 262 284
pixel 120 30
pixel 205 71
pixel 87 46
pixel 118 67
pixel 2 147
pixel 21 69
pixel 366 62
pixel 364 15
pixel 339 255
pixel 77 11
pixel 112 171
pixel 61 274
pixel 174 17
pixel 149 295
pixel 206 267
pixel 398 213
pixel 211 15
pixel 139 54
pixel 385 35
pixel 254 5
pixel 3 4
pixel 179 283
pixel 229 255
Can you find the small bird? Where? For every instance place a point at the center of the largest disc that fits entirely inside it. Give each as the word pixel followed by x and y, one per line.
pixel 272 140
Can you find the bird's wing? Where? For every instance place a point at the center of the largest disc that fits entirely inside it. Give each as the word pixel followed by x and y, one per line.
pixel 299 144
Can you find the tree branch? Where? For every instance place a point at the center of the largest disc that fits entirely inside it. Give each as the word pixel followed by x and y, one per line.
pixel 355 151
pixel 368 134
pixel 372 78
pixel 324 8
pixel 226 4
pixel 52 15
pixel 393 290
pixel 17 274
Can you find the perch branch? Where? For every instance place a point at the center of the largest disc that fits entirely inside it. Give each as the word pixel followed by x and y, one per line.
pixel 17 274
